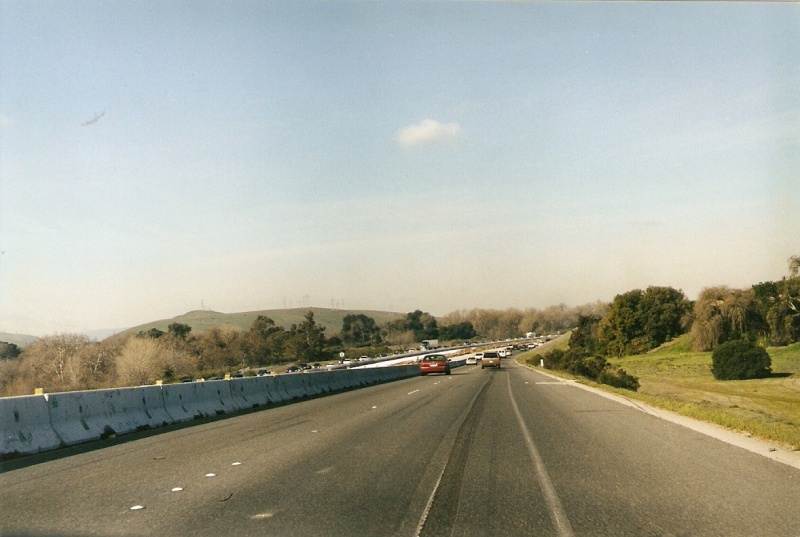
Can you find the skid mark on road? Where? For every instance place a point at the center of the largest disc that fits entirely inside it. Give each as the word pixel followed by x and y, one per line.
pixel 440 512
pixel 557 514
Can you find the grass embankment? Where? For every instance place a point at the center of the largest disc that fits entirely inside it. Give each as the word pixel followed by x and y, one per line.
pixel 676 378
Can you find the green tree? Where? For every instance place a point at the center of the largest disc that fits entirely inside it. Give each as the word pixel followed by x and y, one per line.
pixel 307 340
pixel 264 342
pixel 179 330
pixel 622 329
pixel 463 330
pixel 584 338
pixel 665 314
pixel 423 325
pixel 360 330
pixel 722 314
pixel 638 321
pixel 8 351
pixel 740 360
pixel 777 305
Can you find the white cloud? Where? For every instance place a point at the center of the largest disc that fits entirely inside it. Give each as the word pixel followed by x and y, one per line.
pixel 6 121
pixel 426 131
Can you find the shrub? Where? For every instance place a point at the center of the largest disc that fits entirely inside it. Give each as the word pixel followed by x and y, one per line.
pixel 619 379
pixel 739 360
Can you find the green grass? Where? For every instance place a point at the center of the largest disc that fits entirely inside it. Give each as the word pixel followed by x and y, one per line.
pixel 676 378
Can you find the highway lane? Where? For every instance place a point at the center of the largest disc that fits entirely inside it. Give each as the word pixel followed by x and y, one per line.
pixel 479 452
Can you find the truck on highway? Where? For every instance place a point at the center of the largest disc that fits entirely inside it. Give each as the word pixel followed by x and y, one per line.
pixel 430 344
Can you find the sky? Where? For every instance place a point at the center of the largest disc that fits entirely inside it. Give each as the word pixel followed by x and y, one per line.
pixel 161 157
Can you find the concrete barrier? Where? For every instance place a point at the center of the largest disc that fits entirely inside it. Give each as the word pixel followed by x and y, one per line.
pixel 34 424
pixel 181 403
pixel 216 395
pixel 250 392
pixel 153 402
pixel 337 379
pixel 292 385
pixel 79 417
pixel 25 426
pixel 317 383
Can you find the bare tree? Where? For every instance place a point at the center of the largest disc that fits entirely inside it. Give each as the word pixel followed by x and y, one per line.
pixel 141 361
pixel 794 266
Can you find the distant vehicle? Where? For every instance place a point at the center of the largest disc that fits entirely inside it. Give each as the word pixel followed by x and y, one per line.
pixel 430 344
pixel 293 369
pixel 490 359
pixel 363 358
pixel 237 375
pixel 434 363
pixel 478 357
pixel 263 373
pixel 471 360
pixel 187 379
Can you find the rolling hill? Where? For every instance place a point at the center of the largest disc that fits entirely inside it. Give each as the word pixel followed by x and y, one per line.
pixel 201 320
pixel 20 340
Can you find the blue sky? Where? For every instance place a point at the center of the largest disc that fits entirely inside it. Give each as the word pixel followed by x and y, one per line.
pixel 160 157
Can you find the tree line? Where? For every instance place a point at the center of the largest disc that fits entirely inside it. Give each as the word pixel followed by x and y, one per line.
pixel 734 323
pixel 635 322
pixel 66 362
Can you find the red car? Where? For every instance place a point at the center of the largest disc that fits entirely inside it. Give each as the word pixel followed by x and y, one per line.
pixel 434 363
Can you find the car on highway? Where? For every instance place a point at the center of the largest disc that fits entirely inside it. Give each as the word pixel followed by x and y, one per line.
pixel 434 363
pixel 471 360
pixel 490 359
pixel 293 369
pixel 263 373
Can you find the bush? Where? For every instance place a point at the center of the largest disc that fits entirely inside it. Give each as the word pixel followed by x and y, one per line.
pixel 739 360
pixel 619 379
pixel 592 367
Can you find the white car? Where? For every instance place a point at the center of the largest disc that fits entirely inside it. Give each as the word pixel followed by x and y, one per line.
pixel 471 360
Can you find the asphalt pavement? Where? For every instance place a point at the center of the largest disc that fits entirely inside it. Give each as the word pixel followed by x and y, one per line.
pixel 479 452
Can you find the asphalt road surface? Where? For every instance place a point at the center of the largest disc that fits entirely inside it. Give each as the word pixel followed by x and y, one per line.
pixel 479 452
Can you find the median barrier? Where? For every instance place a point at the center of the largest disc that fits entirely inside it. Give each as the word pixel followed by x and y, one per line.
pixel 292 385
pixel 250 392
pixel 360 377
pixel 181 402
pixel 39 423
pixel 79 417
pixel 338 379
pixel 349 379
pixel 270 386
pixel 386 374
pixel 25 426
pixel 217 394
pixel 373 375
pixel 153 402
pixel 317 383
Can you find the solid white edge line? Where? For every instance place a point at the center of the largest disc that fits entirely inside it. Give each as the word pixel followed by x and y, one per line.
pixel 764 448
